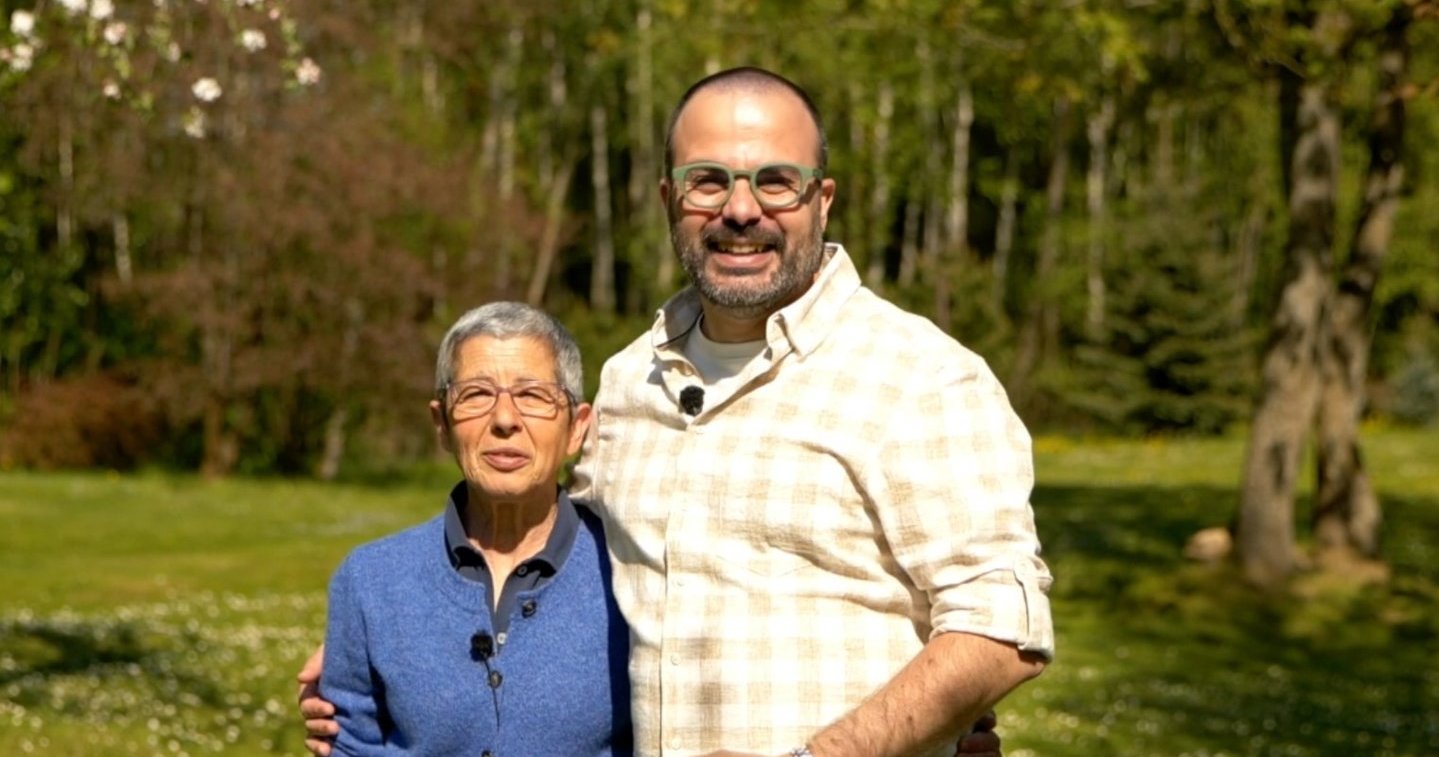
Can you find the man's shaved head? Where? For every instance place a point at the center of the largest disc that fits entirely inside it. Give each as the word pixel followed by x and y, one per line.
pixel 748 79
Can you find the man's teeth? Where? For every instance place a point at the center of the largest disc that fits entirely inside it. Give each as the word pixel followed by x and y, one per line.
pixel 741 249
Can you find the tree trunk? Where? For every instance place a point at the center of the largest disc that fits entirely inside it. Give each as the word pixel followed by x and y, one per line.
pixel 550 239
pixel 956 217
pixel 1309 128
pixel 124 266
pixel 1041 330
pixel 1004 229
pixel 877 224
pixel 337 426
pixel 602 276
pixel 1347 513
pixel 645 222
pixel 1096 185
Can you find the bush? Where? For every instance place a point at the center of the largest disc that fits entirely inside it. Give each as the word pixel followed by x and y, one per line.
pixel 1416 391
pixel 97 420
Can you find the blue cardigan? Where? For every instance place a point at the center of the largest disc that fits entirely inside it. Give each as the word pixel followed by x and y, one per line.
pixel 401 671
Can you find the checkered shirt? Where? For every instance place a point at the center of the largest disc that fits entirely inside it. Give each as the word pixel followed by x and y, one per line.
pixel 785 552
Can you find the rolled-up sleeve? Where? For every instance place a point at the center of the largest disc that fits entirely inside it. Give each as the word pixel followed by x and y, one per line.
pixel 952 492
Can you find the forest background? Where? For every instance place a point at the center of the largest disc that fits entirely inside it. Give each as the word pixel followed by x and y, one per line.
pixel 232 233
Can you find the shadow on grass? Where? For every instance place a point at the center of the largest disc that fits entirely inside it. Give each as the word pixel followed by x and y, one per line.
pixel 1162 656
pixel 38 653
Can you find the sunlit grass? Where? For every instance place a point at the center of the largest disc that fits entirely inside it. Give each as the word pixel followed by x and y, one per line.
pixel 160 614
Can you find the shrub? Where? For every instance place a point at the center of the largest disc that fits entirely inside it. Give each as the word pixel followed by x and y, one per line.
pixel 96 420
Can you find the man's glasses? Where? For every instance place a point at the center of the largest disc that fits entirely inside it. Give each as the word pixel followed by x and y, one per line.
pixel 775 186
pixel 474 398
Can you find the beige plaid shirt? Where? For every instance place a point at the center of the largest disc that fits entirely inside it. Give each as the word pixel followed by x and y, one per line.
pixel 785 552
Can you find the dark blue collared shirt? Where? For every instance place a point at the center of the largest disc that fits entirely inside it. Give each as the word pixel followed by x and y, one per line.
pixel 528 575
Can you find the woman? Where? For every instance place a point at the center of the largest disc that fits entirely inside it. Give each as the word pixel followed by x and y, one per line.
pixel 490 629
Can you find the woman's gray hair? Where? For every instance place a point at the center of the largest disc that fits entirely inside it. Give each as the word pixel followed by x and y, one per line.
pixel 508 320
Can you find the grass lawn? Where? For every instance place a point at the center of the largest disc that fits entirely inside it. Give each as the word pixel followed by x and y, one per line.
pixel 160 614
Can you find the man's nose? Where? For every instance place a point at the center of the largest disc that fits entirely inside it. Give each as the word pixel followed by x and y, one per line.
pixel 742 209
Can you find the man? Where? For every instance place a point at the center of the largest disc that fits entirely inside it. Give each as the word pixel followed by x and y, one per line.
pixel 816 504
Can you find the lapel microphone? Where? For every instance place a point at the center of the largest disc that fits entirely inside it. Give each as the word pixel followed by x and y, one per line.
pixel 692 400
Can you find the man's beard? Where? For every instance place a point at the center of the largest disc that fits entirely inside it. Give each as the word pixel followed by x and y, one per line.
pixel 752 296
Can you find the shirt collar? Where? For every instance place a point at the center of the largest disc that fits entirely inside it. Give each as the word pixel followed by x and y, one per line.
pixel 801 325
pixel 548 560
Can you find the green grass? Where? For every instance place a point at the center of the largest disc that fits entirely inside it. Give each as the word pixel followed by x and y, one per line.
pixel 160 614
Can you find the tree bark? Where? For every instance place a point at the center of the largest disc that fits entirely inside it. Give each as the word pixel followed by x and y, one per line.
pixel 1096 185
pixel 877 224
pixel 1309 128
pixel 602 275
pixel 550 238
pixel 956 217
pixel 1347 514
pixel 1041 329
pixel 1004 229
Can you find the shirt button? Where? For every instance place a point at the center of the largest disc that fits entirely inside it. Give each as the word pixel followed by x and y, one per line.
pixel 496 679
pixel 674 659
pixel 522 570
pixel 680 581
pixel 528 608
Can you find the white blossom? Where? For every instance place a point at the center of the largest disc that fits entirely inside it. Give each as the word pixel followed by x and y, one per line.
pixel 73 6
pixel 101 9
pixel 115 32
pixel 112 90
pixel 206 90
pixel 308 73
pixel 21 57
pixel 195 123
pixel 22 23
pixel 172 52
pixel 253 40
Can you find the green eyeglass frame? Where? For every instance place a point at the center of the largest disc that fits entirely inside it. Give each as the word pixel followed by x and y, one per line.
pixel 778 196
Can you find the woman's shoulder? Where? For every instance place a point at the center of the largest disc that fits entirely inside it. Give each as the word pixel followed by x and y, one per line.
pixel 407 549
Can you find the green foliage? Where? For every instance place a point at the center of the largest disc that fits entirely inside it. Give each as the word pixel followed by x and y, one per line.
pixel 1416 391
pixel 1174 355
pixel 217 247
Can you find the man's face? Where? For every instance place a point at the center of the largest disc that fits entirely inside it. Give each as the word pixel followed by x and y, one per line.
pixel 506 456
pixel 742 256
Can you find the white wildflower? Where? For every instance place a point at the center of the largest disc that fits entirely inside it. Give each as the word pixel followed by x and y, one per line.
pixel 194 123
pixel 22 23
pixel 115 32
pixel 172 52
pixel 308 73
pixel 73 6
pixel 112 90
pixel 274 14
pixel 206 90
pixel 101 9
pixel 253 40
pixel 21 57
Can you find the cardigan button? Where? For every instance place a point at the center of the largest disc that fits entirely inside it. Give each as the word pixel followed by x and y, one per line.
pixel 528 608
pixel 496 679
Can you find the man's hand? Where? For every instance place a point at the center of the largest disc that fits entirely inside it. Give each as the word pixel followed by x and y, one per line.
pixel 319 715
pixel 982 739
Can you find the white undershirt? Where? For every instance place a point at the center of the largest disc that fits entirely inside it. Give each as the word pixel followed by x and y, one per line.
pixel 720 363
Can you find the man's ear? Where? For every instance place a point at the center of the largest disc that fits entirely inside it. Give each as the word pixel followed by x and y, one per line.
pixel 442 427
pixel 665 188
pixel 826 198
pixel 580 427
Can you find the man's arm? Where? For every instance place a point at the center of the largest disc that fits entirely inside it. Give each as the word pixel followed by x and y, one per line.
pixel 951 683
pixel 318 714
